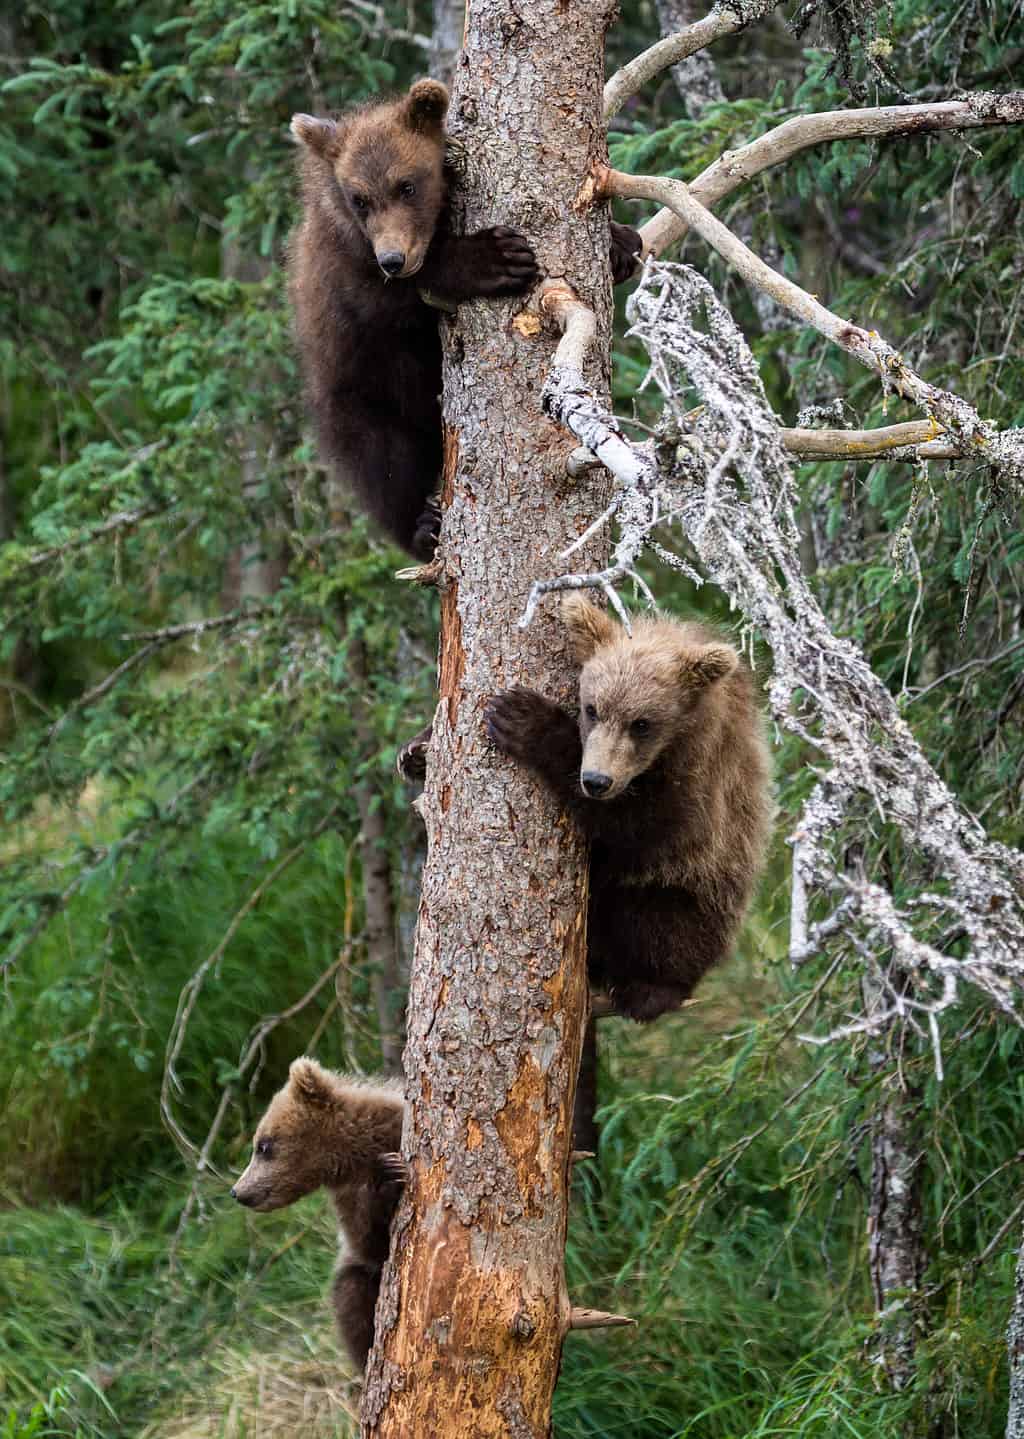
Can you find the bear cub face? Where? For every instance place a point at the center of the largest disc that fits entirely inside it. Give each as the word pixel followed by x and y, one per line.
pixel 638 694
pixel 388 174
pixel 287 1151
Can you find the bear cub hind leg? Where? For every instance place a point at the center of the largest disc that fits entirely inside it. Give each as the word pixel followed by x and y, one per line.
pixel 355 1290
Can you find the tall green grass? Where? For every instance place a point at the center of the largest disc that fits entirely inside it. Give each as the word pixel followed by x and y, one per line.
pixel 89 1008
pixel 726 1211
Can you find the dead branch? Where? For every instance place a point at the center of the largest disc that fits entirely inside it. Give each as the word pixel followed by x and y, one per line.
pixel 596 1319
pixel 967 430
pixel 721 21
pixel 736 167
pixel 922 438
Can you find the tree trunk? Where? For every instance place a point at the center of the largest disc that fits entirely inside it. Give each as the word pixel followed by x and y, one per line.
pixel 895 1244
pixel 473 1311
pixel 256 567
pixel 446 38
pixel 1015 1353
pixel 379 909
pixel 696 77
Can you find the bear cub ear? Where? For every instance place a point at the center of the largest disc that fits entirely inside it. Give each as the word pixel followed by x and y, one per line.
pixel 319 135
pixel 311 1082
pixel 426 107
pixel 589 628
pixel 711 663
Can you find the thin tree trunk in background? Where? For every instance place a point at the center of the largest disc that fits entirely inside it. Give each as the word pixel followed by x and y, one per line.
pixel 446 38
pixel 1015 1353
pixel 380 919
pixel 895 1244
pixel 473 1311
pixel 254 570
pixel 585 1133
pixel 696 77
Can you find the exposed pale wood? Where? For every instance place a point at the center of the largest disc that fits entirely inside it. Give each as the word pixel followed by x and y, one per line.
pixel 597 1319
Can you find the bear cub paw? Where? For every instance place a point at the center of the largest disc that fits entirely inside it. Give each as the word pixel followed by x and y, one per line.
pixel 626 245
pixel 519 722
pixel 411 760
pixel 428 530
pixel 644 1002
pixel 503 262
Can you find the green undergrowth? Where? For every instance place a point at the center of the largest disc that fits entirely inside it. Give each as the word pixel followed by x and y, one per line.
pixel 725 1214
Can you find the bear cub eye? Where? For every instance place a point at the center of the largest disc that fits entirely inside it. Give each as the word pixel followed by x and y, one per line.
pixel 360 204
pixel 264 1148
pixel 641 726
pixel 407 189
pixel 590 711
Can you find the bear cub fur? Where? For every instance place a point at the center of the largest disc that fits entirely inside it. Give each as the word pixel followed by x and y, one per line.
pixel 327 1129
pixel 667 772
pixel 374 233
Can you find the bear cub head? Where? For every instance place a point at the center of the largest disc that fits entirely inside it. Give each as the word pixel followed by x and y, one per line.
pixel 639 693
pixel 382 173
pixel 320 1129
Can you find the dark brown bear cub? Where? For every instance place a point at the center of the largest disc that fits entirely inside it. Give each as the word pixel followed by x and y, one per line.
pixel 666 769
pixel 374 233
pixel 326 1129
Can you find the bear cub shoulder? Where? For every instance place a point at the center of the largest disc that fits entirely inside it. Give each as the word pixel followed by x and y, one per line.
pixel 666 769
pixel 326 1129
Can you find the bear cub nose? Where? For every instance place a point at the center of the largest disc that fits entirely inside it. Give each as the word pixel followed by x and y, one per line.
pixel 391 261
pixel 595 783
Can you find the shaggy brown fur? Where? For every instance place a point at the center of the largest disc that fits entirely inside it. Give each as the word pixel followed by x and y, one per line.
pixel 326 1129
pixel 667 771
pixel 374 232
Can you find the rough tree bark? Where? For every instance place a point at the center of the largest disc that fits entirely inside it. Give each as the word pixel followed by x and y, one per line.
pixel 473 1310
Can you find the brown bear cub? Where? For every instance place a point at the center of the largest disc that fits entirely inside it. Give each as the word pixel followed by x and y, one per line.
pixel 374 234
pixel 667 772
pixel 327 1129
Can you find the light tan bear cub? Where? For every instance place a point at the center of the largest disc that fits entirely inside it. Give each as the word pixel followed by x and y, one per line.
pixel 666 770
pixel 329 1129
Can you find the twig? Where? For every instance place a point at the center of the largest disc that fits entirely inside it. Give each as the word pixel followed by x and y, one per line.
pixel 122 520
pixel 170 1083
pixel 922 436
pixel 198 627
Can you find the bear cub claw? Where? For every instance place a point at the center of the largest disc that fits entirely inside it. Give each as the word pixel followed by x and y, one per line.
pixel 411 760
pixel 428 530
pixel 392 1169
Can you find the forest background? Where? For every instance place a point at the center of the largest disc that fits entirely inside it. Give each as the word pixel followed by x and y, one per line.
pixel 208 865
